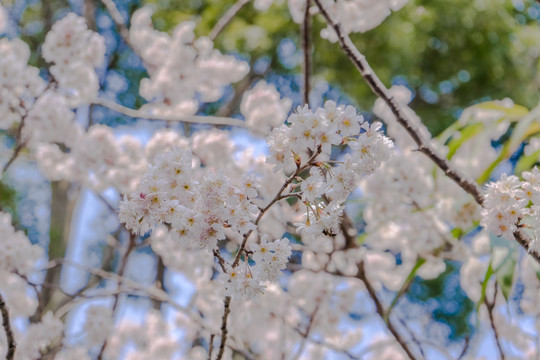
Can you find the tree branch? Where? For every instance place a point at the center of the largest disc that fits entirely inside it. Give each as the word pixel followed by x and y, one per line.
pixel 7 328
pixel 224 331
pixel 490 306
pixel 380 310
pixel 306 46
pixel 424 146
pixel 130 247
pixel 214 120
pixel 226 18
pixel 403 119
pixel 276 198
pixel 118 20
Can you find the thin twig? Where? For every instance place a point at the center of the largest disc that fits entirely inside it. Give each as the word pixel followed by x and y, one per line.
pixel 380 309
pixel 214 120
pixel 118 20
pixel 465 347
pixel 12 346
pixel 211 347
pixel 490 306
pixel 276 198
pixel 305 334
pixel 424 146
pixel 130 247
pixel 382 92
pixel 221 260
pixel 224 331
pixel 226 18
pixel 18 148
pixel 306 46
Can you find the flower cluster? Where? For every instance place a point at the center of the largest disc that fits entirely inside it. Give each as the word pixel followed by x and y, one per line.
pixel 19 84
pixel 18 254
pixel 18 260
pixel 353 15
pixel 263 109
pixel 75 51
pixel 199 211
pixel 270 258
pixel 327 187
pixel 511 203
pixel 180 66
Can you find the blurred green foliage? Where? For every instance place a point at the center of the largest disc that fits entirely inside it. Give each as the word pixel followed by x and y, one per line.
pixel 451 53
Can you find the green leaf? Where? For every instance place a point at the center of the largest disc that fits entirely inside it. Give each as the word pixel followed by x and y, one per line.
pixel 419 262
pixel 466 133
pixel 505 275
pixel 361 238
pixel 487 276
pixel 513 113
pixel 526 162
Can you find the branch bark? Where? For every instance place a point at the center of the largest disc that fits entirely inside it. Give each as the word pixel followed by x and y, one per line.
pixel 380 310
pixel 381 91
pixel 12 346
pixel 424 146
pixel 306 46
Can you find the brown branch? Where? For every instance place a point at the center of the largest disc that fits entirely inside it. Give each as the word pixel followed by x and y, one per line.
pixel 465 347
pixel 490 306
pixel 211 347
pixel 7 328
pixel 403 119
pixel 380 309
pixel 522 240
pixel 276 198
pixel 130 247
pixel 226 18
pixel 306 46
pixel 224 331
pixel 241 250
pixel 424 146
pixel 18 148
pixel 118 21
pixel 305 334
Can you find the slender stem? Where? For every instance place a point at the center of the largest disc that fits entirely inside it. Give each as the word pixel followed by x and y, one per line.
pixel 118 20
pixel 121 270
pixel 214 120
pixel 7 328
pixel 224 331
pixel 210 347
pixel 305 334
pixel 20 145
pixel 276 198
pixel 306 45
pixel 226 18
pixel 490 306
pixel 380 309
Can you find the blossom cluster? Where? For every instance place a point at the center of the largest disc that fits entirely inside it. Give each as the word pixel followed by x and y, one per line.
pixel 180 66
pixel 199 211
pixel 75 51
pixel 263 108
pixel 326 187
pixel 511 203
pixel 18 259
pixel 20 84
pixel 270 258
